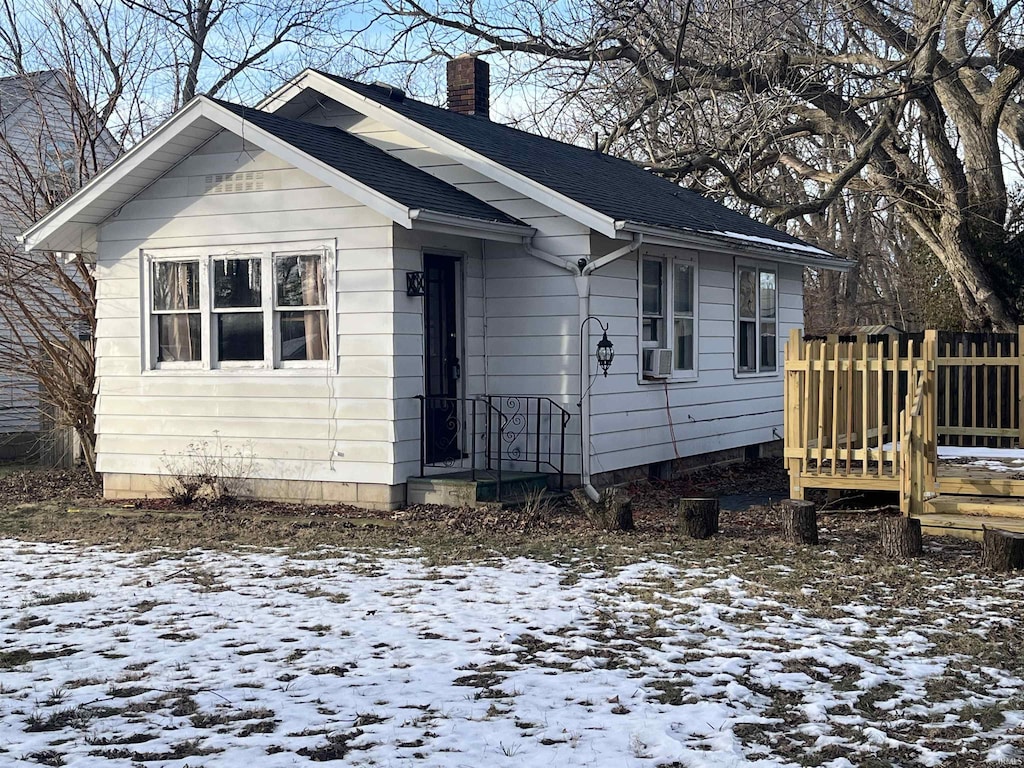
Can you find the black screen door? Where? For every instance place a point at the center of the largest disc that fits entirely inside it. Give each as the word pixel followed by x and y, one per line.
pixel 442 368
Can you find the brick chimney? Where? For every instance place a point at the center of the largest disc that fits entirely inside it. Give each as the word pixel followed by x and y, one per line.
pixel 469 86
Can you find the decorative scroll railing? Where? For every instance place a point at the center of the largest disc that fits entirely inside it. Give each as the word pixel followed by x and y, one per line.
pixel 493 433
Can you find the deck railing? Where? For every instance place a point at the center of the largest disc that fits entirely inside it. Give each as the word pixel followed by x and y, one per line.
pixel 843 400
pixel 870 413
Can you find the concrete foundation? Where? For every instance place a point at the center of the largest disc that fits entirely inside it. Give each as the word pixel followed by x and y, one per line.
pixel 382 498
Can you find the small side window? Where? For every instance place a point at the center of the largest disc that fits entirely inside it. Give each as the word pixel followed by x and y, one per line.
pixel 756 319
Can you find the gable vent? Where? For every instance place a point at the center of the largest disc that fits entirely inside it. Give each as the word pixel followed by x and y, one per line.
pixel 243 181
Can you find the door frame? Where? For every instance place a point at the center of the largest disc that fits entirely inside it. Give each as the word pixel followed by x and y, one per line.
pixel 458 259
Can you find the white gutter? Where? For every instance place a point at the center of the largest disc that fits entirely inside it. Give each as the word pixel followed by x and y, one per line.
pixel 725 244
pixel 502 230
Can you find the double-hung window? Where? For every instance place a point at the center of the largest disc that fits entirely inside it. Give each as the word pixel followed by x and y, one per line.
pixel 254 308
pixel 176 317
pixel 756 319
pixel 668 315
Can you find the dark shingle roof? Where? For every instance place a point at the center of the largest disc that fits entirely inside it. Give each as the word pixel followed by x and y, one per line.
pixel 371 166
pixel 614 187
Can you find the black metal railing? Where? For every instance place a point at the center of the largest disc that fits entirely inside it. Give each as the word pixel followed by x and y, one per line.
pixel 492 433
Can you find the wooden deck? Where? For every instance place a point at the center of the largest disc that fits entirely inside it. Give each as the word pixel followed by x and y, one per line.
pixel 937 418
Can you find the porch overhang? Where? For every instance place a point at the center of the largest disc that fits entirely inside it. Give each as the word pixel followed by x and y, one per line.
pixel 435 221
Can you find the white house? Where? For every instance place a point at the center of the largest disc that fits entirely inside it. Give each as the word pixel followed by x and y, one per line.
pixel 298 277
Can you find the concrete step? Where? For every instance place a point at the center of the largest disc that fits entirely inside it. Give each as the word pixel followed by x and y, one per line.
pixel 461 490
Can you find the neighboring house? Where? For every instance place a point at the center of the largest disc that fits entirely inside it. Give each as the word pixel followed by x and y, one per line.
pixel 43 146
pixel 259 279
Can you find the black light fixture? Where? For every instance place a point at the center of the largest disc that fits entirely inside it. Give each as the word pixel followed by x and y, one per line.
pixel 605 352
pixel 413 283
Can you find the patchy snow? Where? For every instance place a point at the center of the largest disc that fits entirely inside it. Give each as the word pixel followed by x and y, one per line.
pixel 789 246
pixel 255 658
pixel 996 459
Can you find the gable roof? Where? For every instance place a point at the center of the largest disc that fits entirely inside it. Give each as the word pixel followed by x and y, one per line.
pixel 617 188
pixel 369 175
pixel 372 166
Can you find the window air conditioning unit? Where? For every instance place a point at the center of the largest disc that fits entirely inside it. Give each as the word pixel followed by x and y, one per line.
pixel 657 363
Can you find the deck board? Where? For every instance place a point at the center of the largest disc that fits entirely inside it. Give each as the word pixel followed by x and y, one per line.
pixel 966 526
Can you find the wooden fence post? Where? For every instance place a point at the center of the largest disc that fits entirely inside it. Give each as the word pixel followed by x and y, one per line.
pixel 1020 386
pixel 929 415
pixel 793 405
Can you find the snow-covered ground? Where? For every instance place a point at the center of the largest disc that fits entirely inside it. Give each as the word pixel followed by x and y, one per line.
pixel 262 659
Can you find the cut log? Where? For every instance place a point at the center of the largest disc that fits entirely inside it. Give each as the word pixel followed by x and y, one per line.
pixel 1002 550
pixel 799 521
pixel 614 512
pixel 698 518
pixel 900 537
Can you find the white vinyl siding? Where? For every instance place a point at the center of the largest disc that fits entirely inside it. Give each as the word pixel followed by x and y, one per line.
pixel 529 344
pixel 334 423
pixel 635 423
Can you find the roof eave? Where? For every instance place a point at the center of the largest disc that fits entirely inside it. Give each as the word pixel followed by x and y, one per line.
pixel 722 243
pixel 501 231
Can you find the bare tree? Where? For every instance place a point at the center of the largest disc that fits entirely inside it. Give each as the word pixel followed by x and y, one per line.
pixel 83 79
pixel 788 107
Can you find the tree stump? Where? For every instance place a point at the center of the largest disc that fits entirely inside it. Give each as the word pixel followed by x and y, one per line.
pixel 614 512
pixel 799 521
pixel 900 537
pixel 1002 550
pixel 698 518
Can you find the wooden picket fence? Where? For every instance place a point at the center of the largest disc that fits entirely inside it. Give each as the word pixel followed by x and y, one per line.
pixel 869 413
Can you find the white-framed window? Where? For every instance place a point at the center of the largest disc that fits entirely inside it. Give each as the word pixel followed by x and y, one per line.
pixel 757 328
pixel 250 307
pixel 668 313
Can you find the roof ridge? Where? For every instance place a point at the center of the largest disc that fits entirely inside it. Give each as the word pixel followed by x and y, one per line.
pixel 611 186
pixel 347 81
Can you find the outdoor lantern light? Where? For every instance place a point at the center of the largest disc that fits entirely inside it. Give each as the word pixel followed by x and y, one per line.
pixel 414 284
pixel 605 353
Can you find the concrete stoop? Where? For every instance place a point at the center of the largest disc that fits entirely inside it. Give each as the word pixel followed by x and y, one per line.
pixel 461 490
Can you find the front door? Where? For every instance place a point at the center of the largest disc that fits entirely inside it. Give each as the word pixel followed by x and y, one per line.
pixel 442 367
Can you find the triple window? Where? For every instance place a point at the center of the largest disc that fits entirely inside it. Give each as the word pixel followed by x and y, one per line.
pixel 756 319
pixel 668 310
pixel 239 310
